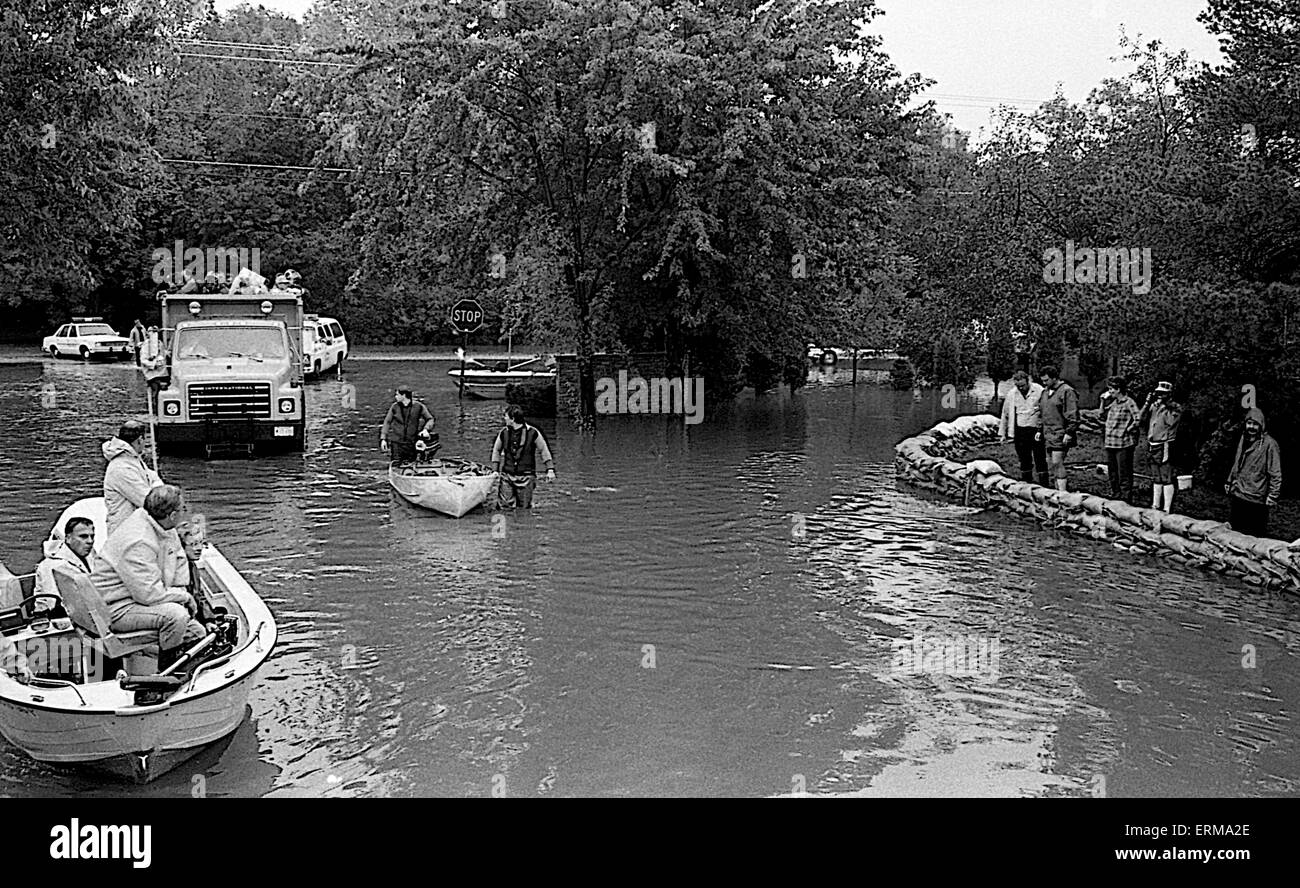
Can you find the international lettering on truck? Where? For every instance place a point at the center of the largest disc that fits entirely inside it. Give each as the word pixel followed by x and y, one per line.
pixel 233 372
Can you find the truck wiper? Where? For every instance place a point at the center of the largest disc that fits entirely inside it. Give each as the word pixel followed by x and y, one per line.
pixel 241 355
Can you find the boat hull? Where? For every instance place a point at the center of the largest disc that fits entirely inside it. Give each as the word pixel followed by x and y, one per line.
pixel 452 495
pixel 137 747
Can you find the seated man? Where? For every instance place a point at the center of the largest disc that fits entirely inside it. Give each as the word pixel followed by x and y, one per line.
pixel 133 571
pixel 76 555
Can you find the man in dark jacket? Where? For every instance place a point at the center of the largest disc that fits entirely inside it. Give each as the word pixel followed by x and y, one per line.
pixel 408 421
pixel 514 456
pixel 1058 406
pixel 1255 482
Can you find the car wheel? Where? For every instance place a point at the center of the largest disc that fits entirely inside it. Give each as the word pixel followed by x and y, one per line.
pixel 54 351
pixel 829 357
pixel 85 353
pixel 317 370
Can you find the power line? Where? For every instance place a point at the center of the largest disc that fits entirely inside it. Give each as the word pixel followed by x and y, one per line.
pixel 233 114
pixel 276 166
pixel 235 58
pixel 233 44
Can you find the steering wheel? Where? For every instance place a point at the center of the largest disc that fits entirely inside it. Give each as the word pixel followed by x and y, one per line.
pixel 31 598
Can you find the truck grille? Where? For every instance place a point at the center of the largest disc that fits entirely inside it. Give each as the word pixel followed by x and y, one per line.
pixel 230 400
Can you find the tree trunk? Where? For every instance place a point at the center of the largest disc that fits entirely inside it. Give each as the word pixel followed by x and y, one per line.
pixel 585 345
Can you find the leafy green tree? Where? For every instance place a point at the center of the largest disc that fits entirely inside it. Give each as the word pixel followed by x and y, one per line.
pixel 705 178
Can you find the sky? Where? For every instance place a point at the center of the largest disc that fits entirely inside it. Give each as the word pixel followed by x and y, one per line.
pixel 981 52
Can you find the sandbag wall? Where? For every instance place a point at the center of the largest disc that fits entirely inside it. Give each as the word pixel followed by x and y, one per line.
pixel 923 461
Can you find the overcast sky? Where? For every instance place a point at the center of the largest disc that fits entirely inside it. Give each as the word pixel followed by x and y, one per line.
pixel 981 52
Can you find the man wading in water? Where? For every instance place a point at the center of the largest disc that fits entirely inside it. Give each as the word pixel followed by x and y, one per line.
pixel 514 455
pixel 407 422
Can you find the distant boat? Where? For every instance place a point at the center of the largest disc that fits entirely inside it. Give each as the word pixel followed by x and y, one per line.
pixel 142 726
pixel 450 486
pixel 484 381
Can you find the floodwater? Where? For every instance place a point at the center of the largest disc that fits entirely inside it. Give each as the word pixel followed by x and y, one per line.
pixel 689 610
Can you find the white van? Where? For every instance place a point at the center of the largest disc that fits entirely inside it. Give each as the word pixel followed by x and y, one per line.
pixel 324 345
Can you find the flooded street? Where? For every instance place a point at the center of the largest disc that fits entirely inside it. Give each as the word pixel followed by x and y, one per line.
pixel 689 610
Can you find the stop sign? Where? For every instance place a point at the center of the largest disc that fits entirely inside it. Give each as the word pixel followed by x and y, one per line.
pixel 466 316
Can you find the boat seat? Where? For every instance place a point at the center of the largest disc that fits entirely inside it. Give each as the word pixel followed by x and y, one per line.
pixel 13 589
pixel 87 609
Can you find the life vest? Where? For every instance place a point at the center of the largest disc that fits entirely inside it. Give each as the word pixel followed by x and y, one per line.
pixel 522 458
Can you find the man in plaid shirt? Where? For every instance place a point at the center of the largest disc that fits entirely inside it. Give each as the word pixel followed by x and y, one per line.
pixel 1120 414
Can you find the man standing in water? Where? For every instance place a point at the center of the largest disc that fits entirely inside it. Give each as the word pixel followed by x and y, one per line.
pixel 408 421
pixel 514 456
pixel 1059 407
pixel 1255 482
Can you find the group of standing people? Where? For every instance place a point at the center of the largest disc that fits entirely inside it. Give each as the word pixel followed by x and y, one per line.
pixel 1043 422
pixel 407 432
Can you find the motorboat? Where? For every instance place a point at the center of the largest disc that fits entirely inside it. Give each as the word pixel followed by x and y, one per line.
pixel 82 707
pixel 482 380
pixel 450 486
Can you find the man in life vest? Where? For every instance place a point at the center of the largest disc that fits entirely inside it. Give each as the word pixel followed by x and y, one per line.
pixel 408 422
pixel 514 455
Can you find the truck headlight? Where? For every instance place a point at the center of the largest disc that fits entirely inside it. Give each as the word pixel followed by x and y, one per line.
pixel 287 405
pixel 171 408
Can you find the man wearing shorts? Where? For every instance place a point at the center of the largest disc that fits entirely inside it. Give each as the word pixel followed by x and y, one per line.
pixel 1162 415
pixel 1059 408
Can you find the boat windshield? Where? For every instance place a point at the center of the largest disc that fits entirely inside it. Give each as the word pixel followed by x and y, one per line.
pixel 208 343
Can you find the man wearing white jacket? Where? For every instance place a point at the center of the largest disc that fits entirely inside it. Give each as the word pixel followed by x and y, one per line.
pixel 127 480
pixel 135 568
pixel 1021 423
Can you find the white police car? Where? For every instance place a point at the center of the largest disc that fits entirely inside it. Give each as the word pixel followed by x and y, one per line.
pixel 87 338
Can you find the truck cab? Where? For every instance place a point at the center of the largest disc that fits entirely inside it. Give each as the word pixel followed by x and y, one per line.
pixel 231 373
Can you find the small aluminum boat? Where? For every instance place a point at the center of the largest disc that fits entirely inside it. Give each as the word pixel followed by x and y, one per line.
pixel 136 726
pixel 483 381
pixel 450 486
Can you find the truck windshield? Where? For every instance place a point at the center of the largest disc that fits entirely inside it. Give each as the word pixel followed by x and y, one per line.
pixel 206 343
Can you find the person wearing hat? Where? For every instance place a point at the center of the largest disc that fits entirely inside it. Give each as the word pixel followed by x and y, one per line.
pixel 1162 413
pixel 1255 482
pixel 1058 405
pixel 408 422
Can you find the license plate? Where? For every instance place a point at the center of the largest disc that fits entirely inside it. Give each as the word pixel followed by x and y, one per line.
pixel 284 431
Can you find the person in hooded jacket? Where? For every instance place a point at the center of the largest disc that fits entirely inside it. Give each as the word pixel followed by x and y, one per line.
pixel 1255 482
pixel 127 480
